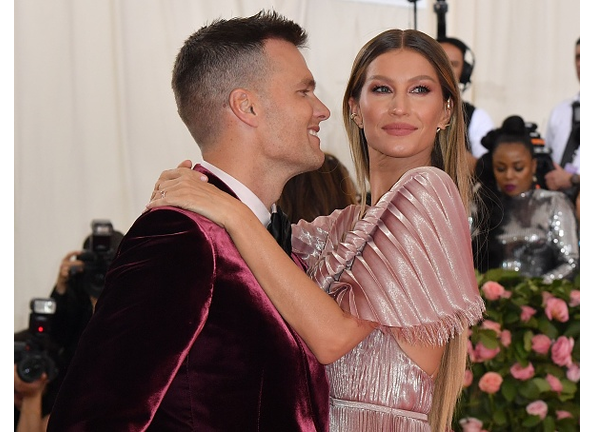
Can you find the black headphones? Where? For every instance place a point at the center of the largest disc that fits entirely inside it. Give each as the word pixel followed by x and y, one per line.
pixel 468 56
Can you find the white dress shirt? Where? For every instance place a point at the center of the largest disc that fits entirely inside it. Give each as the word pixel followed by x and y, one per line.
pixel 244 194
pixel 558 131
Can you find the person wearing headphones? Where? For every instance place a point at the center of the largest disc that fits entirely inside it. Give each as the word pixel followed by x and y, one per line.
pixel 478 121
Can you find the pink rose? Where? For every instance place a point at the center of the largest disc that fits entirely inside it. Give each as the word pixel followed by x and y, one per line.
pixel 555 308
pixel 492 290
pixel 554 382
pixel 573 372
pixel 467 378
pixel 506 294
pixel 522 373
pixel 490 382
pixel 563 414
pixel 538 408
pixel 541 343
pixel 574 298
pixel 492 325
pixel 505 338
pixel 483 353
pixel 527 313
pixel 471 424
pixel 561 351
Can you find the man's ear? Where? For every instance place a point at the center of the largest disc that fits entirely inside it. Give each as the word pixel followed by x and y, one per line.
pixel 242 104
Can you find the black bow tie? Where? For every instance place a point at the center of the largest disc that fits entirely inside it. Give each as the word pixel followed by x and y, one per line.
pixel 280 228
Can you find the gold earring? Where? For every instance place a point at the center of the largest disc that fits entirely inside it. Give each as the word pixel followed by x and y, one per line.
pixel 438 129
pixel 353 115
pixel 449 103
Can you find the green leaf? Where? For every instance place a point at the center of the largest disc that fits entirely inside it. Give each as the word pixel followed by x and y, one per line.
pixel 499 417
pixel 541 384
pixel 567 425
pixel 531 420
pixel 528 340
pixel 529 390
pixel 509 389
pixel 548 424
pixel 489 339
pixel 547 327
pixel 573 329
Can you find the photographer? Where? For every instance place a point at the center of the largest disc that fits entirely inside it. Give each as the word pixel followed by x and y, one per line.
pixel 563 138
pixel 78 285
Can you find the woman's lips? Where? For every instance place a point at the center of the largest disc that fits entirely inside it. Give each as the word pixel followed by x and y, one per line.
pixel 399 129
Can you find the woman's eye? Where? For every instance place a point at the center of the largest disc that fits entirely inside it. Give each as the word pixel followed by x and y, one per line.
pixel 380 89
pixel 420 89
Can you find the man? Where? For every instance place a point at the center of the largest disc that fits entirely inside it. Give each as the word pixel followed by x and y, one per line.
pixel 478 121
pixel 563 131
pixel 183 338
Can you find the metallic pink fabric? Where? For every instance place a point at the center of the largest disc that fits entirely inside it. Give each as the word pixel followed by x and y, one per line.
pixel 184 339
pixel 408 266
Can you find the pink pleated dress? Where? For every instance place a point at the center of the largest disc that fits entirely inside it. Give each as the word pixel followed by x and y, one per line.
pixel 406 265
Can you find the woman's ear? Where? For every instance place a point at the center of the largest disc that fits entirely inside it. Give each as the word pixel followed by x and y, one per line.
pixel 242 103
pixel 447 114
pixel 355 114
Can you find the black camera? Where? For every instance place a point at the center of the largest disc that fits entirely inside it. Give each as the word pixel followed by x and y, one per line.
pixel 542 154
pixel 97 257
pixel 34 356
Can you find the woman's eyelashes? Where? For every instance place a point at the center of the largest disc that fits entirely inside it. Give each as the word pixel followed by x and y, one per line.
pixel 421 89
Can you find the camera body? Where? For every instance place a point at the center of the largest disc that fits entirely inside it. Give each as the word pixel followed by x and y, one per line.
pixel 33 356
pixel 97 257
pixel 542 154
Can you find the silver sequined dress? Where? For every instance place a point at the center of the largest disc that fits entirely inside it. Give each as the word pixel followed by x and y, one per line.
pixel 408 266
pixel 538 235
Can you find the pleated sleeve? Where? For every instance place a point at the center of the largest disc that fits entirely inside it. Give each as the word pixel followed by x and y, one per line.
pixel 407 264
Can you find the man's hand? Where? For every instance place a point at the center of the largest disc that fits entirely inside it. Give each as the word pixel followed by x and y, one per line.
pixel 69 264
pixel 558 178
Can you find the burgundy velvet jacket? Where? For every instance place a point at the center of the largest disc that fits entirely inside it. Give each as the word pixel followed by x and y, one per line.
pixel 184 339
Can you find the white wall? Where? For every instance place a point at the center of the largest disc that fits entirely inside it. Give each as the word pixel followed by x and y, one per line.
pixel 95 121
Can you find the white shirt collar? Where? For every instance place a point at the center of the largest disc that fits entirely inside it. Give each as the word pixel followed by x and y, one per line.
pixel 244 194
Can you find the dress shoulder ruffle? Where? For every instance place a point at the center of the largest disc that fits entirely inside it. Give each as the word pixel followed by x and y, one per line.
pixel 407 264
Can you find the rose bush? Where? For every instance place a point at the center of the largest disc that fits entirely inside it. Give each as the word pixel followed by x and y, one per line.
pixel 524 357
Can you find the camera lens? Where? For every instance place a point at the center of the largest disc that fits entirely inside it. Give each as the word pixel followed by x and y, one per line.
pixel 31 367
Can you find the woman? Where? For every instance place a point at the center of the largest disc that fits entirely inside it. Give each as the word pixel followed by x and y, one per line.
pixel 400 270
pixel 528 229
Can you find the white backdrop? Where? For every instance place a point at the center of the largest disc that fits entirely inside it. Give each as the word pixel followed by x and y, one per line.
pixel 95 120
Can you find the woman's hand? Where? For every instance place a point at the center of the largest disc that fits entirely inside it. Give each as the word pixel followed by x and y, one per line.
pixel 328 330
pixel 189 189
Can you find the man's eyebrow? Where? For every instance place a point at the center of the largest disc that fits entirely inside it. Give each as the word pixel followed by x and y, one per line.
pixel 309 82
